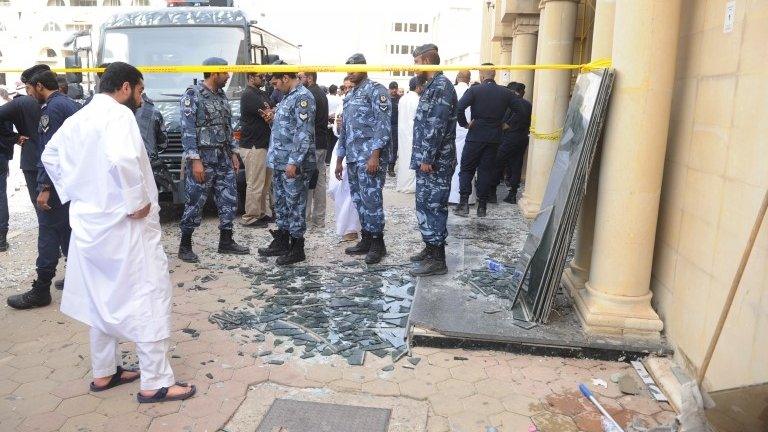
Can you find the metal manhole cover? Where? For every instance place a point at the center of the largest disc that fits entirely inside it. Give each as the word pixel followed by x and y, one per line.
pixel 298 416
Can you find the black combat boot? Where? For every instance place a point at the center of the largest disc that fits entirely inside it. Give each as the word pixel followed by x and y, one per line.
pixel 362 247
pixel 185 248
pixel 434 264
pixel 511 197
pixel 294 254
pixel 227 244
pixel 421 256
pixel 279 245
pixel 38 296
pixel 391 170
pixel 493 198
pixel 481 208
pixel 462 209
pixel 378 249
pixel 3 240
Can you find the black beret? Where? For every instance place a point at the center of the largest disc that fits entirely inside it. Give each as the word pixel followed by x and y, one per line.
pixel 423 49
pixel 34 70
pixel 356 59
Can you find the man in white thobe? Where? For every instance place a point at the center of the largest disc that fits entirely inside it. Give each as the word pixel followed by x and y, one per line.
pixel 117 273
pixel 406 177
pixel 462 84
pixel 345 213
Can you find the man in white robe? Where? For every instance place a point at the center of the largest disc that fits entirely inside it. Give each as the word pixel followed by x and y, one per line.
pixel 345 213
pixel 406 177
pixel 462 84
pixel 117 274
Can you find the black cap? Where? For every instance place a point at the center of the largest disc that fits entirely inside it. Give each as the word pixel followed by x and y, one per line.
pixel 423 49
pixel 269 76
pixel 214 61
pixel 393 85
pixel 34 70
pixel 356 59
pixel 415 82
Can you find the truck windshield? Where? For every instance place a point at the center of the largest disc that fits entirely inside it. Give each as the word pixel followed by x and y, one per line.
pixel 176 45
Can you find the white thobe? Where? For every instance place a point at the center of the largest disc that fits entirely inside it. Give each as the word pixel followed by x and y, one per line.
pixel 461 136
pixel 117 272
pixel 345 213
pixel 406 177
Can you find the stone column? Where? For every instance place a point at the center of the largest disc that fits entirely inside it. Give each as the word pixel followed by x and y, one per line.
pixel 617 298
pixel 577 274
pixel 524 51
pixel 505 59
pixel 555 45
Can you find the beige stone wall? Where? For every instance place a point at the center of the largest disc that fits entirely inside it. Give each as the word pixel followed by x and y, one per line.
pixel 715 174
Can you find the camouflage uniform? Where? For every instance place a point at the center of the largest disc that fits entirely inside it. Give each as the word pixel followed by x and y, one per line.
pixel 434 136
pixel 366 127
pixel 292 143
pixel 206 134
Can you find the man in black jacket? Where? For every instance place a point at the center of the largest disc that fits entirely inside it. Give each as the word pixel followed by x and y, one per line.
pixel 489 102
pixel 255 108
pixel 317 185
pixel 514 142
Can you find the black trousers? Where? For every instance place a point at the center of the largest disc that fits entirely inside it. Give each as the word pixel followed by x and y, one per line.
pixel 331 144
pixel 393 143
pixel 509 161
pixel 53 229
pixel 478 157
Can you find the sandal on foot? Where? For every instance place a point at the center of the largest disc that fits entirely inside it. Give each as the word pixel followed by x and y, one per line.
pixel 162 395
pixel 116 380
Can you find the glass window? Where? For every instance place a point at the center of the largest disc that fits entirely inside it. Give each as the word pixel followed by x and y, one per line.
pixel 83 2
pixel 398 27
pixel 413 28
pixel 140 3
pixel 426 28
pixel 51 26
pixel 48 52
pixel 391 49
pixel 111 2
pixel 403 49
pixel 56 3
pixel 78 27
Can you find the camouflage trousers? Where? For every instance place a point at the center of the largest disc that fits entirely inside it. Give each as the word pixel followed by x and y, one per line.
pixel 219 176
pixel 432 191
pixel 291 202
pixel 367 195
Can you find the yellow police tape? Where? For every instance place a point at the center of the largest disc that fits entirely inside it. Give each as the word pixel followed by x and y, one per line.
pixel 550 136
pixel 597 64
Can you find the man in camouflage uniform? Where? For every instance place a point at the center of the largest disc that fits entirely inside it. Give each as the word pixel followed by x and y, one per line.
pixel 292 158
pixel 364 140
pixel 434 159
pixel 209 160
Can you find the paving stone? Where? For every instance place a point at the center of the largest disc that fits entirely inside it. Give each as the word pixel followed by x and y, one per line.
pixel 642 404
pixel 118 404
pixel 86 422
pixel 7 387
pixel 133 421
pixel 468 421
pixel 509 421
pixel 546 421
pixel 495 388
pixel 172 422
pixel 252 374
pixel 35 388
pixel 432 374
pixel 200 406
pixel 381 388
pixel 523 405
pixel 50 421
pixel 39 404
pixel 456 388
pixel 445 405
pixel 469 372
pixel 78 405
pixel 323 373
pixel 417 389
pixel 31 374
pixel 482 404
pixel 540 373
pixel 570 404
pixel 589 421
pixel 162 409
pixel 665 418
pixel 438 424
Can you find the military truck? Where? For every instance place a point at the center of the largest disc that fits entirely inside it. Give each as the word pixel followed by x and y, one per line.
pixel 185 36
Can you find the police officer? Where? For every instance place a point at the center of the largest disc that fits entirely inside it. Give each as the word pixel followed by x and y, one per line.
pixel 489 102
pixel 53 216
pixel 514 141
pixel 364 140
pixel 210 161
pixel 434 159
pixel 152 128
pixel 292 157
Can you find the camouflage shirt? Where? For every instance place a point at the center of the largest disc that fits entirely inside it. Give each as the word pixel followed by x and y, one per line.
pixel 365 122
pixel 206 121
pixel 293 132
pixel 434 128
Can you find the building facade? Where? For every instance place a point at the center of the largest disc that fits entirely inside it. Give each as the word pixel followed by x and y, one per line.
pixel 682 172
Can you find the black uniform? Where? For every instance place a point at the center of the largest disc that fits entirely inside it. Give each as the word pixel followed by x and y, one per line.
pixel 514 141
pixel 255 131
pixel 489 102
pixel 24 113
pixel 393 132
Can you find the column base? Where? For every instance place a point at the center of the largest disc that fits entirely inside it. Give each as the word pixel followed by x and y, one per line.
pixel 611 314
pixel 574 279
pixel 529 209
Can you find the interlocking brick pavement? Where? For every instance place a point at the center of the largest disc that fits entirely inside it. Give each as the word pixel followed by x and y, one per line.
pixel 45 365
